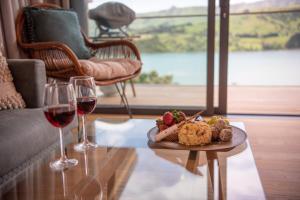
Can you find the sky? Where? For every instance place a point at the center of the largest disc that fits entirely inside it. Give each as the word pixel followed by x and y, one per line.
pixel 141 6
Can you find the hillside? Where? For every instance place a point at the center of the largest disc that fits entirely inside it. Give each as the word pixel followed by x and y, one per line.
pixel 247 32
pixel 265 5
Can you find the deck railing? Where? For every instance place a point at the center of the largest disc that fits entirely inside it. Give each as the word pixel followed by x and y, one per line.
pixel 233 13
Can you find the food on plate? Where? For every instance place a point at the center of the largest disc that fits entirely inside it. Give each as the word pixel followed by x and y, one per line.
pixel 174 126
pixel 174 117
pixel 169 134
pixel 220 124
pixel 172 137
pixel 214 120
pixel 195 133
pixel 225 135
pixel 160 125
pixel 170 118
pixel 215 133
pixel 179 116
pixel 169 124
pixel 221 131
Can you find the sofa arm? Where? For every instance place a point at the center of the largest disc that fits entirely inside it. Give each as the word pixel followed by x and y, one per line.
pixel 29 78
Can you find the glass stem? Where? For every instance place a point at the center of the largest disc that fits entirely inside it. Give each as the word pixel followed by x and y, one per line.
pixel 62 150
pixel 83 129
pixel 85 163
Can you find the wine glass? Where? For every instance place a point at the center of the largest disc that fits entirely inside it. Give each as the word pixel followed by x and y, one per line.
pixel 60 109
pixel 85 91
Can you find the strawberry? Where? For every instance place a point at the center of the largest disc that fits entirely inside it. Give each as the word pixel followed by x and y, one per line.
pixel 175 116
pixel 168 118
pixel 162 127
pixel 182 116
pixel 178 116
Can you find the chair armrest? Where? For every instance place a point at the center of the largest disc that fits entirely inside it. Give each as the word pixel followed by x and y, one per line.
pixel 47 46
pixel 96 46
pixel 121 43
pixel 55 55
pixel 29 78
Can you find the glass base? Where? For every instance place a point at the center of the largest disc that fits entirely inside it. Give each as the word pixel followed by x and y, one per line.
pixel 85 145
pixel 59 165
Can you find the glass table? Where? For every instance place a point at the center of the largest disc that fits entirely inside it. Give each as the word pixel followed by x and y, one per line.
pixel 125 167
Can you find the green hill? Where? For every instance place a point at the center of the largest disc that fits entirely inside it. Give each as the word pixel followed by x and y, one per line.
pixel 247 32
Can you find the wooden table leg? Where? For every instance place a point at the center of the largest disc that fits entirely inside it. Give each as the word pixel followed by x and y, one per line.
pixel 210 175
pixel 211 156
pixel 222 163
pixel 192 162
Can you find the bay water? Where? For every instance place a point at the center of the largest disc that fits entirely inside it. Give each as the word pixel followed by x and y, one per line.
pixel 268 68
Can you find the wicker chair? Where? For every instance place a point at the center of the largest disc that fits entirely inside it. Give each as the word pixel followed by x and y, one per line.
pixel 62 63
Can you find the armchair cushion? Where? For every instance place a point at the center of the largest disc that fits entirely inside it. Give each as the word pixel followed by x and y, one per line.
pixel 109 69
pixel 55 25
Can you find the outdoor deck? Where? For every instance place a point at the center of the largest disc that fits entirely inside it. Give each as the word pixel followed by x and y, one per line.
pixel 241 99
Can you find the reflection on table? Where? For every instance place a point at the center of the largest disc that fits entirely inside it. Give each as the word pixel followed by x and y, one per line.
pixel 124 167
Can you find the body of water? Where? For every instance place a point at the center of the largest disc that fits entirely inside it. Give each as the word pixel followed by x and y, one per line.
pixel 245 68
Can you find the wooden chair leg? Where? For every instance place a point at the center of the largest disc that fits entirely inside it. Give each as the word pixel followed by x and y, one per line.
pixel 132 87
pixel 124 98
pixel 123 87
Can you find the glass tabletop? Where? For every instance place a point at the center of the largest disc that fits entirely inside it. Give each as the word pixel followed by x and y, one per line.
pixel 124 167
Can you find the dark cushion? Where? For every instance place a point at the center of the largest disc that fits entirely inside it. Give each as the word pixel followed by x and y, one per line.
pixel 24 133
pixel 46 25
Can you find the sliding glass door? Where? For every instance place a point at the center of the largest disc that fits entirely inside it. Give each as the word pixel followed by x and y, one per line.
pixel 177 49
pixel 264 57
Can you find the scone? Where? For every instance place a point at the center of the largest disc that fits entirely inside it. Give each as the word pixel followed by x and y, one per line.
pixel 226 135
pixel 195 133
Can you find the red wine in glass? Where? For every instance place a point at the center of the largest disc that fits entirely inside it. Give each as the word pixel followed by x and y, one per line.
pixel 60 116
pixel 85 90
pixel 60 110
pixel 86 105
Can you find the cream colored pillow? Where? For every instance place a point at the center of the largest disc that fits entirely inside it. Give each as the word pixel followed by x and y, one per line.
pixel 9 97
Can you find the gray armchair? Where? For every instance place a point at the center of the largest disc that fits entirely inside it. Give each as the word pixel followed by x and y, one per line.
pixel 29 79
pixel 25 133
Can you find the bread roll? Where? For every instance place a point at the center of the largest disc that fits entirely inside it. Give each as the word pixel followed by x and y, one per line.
pixel 225 135
pixel 195 133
